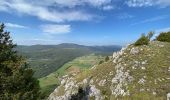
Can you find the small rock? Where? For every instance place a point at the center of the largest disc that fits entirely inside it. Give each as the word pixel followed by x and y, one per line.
pixel 102 82
pixel 161 46
pixel 134 51
pixel 114 80
pixel 148 89
pixel 142 90
pixel 168 96
pixel 144 62
pixel 169 69
pixel 143 68
pixel 91 81
pixel 154 93
pixel 63 82
pixel 85 81
pixel 141 81
pixel 111 73
pixel 133 67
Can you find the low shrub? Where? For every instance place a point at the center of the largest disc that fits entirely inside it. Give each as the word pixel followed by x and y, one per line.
pixel 101 62
pixel 107 58
pixel 164 37
pixel 143 40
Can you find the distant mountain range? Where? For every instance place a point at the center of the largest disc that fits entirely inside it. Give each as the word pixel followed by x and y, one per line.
pixel 45 59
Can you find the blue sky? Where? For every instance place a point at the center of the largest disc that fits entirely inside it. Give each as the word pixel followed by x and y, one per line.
pixel 87 22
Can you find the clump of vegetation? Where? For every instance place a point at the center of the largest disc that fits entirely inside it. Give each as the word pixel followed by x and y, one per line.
pixel 16 78
pixel 144 40
pixel 107 58
pixel 101 62
pixel 82 93
pixel 164 37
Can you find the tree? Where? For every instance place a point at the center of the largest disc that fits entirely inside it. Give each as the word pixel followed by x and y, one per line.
pixel 150 35
pixel 16 78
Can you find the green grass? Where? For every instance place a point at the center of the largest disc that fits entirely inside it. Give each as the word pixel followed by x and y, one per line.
pixel 158 62
pixel 83 63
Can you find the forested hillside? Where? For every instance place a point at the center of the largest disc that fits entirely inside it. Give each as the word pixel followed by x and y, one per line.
pixel 45 59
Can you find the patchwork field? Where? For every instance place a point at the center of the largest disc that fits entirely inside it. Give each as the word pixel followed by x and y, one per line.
pixel 49 83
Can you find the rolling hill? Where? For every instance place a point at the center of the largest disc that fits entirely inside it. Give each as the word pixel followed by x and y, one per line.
pixel 45 59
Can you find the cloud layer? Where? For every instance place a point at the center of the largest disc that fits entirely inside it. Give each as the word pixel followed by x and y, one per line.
pixel 69 10
pixel 54 10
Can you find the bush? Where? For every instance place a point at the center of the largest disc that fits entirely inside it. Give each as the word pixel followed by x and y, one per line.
pixel 164 37
pixel 143 40
pixel 82 94
pixel 107 58
pixel 101 62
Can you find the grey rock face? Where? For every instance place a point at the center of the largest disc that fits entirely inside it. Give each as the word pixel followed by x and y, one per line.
pixel 95 92
pixel 122 77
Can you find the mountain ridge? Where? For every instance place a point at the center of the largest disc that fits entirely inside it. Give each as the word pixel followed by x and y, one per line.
pixel 139 73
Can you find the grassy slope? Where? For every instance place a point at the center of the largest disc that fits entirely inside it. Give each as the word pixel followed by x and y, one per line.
pixel 156 71
pixel 50 82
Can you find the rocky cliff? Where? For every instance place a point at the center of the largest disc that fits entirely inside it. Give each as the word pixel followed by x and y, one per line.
pixel 134 73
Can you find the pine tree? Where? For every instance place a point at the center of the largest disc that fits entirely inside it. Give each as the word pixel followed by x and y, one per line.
pixel 16 78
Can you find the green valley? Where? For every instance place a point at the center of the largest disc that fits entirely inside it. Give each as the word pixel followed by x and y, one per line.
pixel 45 59
pixel 78 65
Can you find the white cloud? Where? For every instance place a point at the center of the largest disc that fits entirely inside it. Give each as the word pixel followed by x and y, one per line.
pixel 163 3
pixel 151 19
pixel 146 3
pixel 48 9
pixel 97 2
pixel 72 3
pixel 55 29
pixel 158 31
pixel 163 30
pixel 124 16
pixel 12 25
pixel 139 3
pixel 108 7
